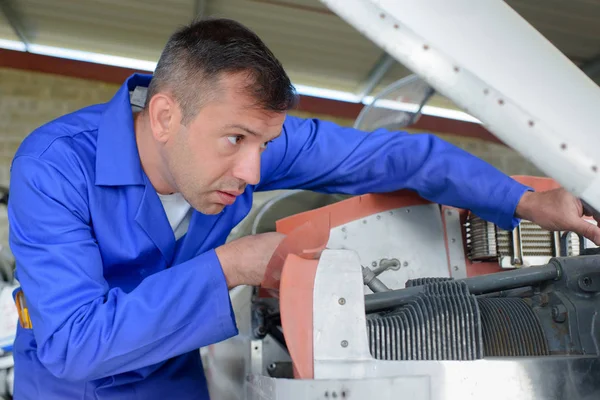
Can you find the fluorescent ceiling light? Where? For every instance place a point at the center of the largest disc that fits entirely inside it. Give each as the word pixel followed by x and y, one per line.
pixel 12 45
pixel 327 93
pixel 93 57
pixel 305 90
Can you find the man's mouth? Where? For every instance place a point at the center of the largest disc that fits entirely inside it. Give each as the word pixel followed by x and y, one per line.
pixel 228 196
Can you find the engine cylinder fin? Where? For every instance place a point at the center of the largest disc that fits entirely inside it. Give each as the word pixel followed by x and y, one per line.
pixel 425 281
pixel 441 323
pixel 511 328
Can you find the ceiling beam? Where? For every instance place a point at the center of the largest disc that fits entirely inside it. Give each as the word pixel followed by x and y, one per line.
pixel 592 67
pixel 381 67
pixel 7 7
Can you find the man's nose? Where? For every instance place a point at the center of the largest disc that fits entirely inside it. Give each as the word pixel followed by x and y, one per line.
pixel 248 168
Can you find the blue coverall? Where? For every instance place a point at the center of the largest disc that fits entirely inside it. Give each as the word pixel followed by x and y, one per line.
pixel 119 308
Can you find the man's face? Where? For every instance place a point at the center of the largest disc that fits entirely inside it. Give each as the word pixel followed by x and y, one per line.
pixel 213 159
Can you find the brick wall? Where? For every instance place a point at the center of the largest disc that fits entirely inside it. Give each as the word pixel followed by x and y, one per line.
pixel 29 99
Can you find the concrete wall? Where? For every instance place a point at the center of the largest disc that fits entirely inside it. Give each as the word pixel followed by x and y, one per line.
pixel 29 99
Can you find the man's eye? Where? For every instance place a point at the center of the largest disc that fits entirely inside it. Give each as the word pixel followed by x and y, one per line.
pixel 264 145
pixel 234 139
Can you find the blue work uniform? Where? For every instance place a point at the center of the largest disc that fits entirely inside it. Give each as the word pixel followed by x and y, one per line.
pixel 119 307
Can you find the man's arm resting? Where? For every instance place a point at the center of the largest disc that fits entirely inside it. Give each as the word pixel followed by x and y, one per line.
pixel 85 330
pixel 322 156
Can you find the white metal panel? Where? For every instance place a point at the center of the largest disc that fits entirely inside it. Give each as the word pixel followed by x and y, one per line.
pixel 413 235
pixel 524 90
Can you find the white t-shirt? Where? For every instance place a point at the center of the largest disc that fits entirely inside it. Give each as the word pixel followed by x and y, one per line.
pixel 179 211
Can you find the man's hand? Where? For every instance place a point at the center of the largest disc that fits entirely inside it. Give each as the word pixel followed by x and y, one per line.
pixel 558 210
pixel 245 260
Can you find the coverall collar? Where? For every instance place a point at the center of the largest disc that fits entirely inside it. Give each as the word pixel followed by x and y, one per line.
pixel 117 158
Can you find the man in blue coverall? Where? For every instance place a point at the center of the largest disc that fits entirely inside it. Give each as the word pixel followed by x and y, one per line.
pixel 119 212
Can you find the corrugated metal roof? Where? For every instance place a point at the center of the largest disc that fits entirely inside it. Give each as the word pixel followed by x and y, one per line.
pixel 573 26
pixel 316 47
pixel 132 28
pixel 6 31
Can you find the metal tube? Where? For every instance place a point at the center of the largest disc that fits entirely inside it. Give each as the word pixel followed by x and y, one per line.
pixel 373 282
pixel 517 246
pixel 512 279
pixel 477 285
pixel 392 298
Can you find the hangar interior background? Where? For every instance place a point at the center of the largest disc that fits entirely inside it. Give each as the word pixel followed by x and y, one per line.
pixel 60 55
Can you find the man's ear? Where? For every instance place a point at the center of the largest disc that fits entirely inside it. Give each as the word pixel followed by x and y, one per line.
pixel 165 116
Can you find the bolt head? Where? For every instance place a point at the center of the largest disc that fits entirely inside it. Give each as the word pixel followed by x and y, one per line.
pixel 342 301
pixel 559 313
pixel 344 343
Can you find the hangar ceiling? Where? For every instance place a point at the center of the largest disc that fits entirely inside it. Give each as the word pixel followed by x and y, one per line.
pixel 317 48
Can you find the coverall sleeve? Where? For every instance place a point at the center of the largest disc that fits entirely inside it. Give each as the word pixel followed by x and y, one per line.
pixel 324 157
pixel 85 330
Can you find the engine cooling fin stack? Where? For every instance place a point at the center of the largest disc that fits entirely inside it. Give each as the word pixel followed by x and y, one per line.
pixel 442 323
pixel 510 328
pixel 447 322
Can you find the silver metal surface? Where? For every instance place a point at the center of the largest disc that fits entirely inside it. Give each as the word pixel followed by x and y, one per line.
pixel 517 248
pixel 456 248
pixel 272 352
pixel 539 378
pixel 227 363
pixel 412 235
pixel 372 282
pixel 339 275
pixel 256 357
pixel 265 388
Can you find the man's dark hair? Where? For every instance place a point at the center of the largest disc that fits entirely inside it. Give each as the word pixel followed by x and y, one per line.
pixel 197 55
